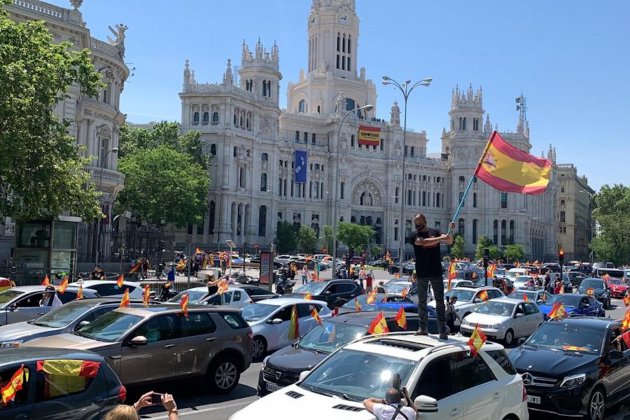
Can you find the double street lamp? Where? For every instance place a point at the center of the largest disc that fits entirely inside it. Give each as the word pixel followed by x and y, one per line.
pixel 405 88
pixel 100 188
pixel 336 182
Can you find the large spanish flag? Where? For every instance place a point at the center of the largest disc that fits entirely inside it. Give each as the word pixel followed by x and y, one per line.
pixel 369 136
pixel 509 169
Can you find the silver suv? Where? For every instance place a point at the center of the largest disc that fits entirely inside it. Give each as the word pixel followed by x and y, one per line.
pixel 158 343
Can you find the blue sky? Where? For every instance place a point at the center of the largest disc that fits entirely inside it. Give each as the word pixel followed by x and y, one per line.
pixel 570 58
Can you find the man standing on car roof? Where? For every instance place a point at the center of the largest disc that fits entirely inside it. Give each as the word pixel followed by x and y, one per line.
pixel 426 246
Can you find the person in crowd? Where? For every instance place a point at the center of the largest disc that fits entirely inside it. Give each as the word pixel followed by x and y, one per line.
pixel 304 274
pixel 451 314
pixel 212 283
pixel 426 245
pixel 50 298
pixel 368 281
pixel 389 408
pixel 131 412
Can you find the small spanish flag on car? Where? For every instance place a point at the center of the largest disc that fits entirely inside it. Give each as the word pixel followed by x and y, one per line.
pixel 46 281
pixel 476 341
pixel 625 324
pixel 378 325
pixel 183 303
pixel 371 297
pixel 84 368
pixel 124 302
pixel 357 305
pixel 483 295
pixel 223 287
pixel 626 299
pixel 294 325
pixel 558 311
pixel 401 318
pixel 315 316
pixel 120 281
pixel 308 296
pixel 146 294
pixel 63 286
pixel 14 385
pixel 80 292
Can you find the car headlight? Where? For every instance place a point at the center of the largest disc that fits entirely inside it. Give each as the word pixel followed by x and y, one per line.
pixel 496 326
pixel 574 380
pixel 11 344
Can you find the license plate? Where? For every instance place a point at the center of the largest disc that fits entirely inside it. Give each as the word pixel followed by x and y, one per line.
pixel 274 387
pixel 533 399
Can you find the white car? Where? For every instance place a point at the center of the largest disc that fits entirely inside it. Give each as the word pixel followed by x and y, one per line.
pixel 109 288
pixel 504 319
pixel 444 380
pixel 234 297
pixel 458 283
pixel 284 259
pixel 270 321
pixel 468 298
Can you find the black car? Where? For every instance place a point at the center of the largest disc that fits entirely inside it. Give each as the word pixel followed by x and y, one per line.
pixel 335 292
pixel 283 367
pixel 258 293
pixel 576 277
pixel 574 367
pixel 408 268
pixel 596 287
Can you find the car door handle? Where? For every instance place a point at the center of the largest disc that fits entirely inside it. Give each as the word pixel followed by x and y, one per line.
pixel 211 338
pixel 454 412
pixel 168 346
pixel 496 395
pixel 115 357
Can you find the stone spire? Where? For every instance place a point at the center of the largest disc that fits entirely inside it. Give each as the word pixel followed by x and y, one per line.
pixel 187 76
pixel 487 127
pixel 551 154
pixel 228 77
pixel 395 115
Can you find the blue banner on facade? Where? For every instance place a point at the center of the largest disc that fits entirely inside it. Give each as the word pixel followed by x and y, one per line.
pixel 300 166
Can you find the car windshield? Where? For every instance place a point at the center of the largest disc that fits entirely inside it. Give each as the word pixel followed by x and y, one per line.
pixel 592 284
pixel 258 311
pixel 8 296
pixel 398 287
pixel 110 327
pixel 567 299
pixel 518 294
pixel 462 294
pixel 496 308
pixel 356 375
pixel 568 336
pixel 331 335
pixel 194 296
pixel 314 288
pixel 64 315
pixel 521 279
pixel 615 281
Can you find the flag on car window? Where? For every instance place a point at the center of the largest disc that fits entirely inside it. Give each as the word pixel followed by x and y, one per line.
pixel 357 305
pixel 84 368
pixel 401 318
pixel 308 296
pixel 625 324
pixel 183 303
pixel 371 297
pixel 14 385
pixel 46 281
pixel 525 298
pixel 590 291
pixel 509 169
pixel 80 292
pixel 63 286
pixel 626 299
pixel 558 311
pixel 294 324
pixel 124 302
pixel 476 341
pixel 315 316
pixel 146 293
pixel 223 286
pixel 378 325
pixel 626 338
pixel 483 295
pixel 120 281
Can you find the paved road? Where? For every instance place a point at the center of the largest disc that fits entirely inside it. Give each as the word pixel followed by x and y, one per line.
pixel 194 403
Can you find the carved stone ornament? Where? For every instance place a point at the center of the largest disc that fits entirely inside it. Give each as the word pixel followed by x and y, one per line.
pixel 76 4
pixel 367 193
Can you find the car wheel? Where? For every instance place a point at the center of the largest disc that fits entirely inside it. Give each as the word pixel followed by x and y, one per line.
pixel 596 405
pixel 223 375
pixel 259 348
pixel 509 337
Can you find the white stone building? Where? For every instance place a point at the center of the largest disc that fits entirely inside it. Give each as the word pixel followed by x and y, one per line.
pixel 252 143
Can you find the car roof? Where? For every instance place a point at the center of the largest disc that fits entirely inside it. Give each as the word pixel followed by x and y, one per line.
pixel 88 283
pixel 412 347
pixel 282 301
pixel 365 317
pixel 27 354
pixel 144 312
pixel 38 288
pixel 508 300
pixel 591 321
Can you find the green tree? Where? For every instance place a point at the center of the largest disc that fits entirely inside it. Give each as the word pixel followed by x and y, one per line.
pixel 328 238
pixel 286 238
pixel 457 250
pixel 163 133
pixel 307 239
pixel 356 237
pixel 42 171
pixel 612 213
pixel 514 252
pixel 163 185
pixel 485 242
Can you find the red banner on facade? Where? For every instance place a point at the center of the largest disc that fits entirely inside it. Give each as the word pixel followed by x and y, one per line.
pixel 369 136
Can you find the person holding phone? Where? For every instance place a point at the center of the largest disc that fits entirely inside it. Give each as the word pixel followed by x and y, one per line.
pixel 390 407
pixel 130 412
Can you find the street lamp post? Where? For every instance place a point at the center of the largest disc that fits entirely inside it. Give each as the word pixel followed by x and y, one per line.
pixel 336 182
pixel 100 188
pixel 405 88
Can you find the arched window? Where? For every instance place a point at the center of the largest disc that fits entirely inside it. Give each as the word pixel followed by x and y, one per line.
pixel 213 149
pixel 495 232
pixel 196 118
pixel 263 182
pixel 503 232
pixel 264 157
pixel 262 221
pixel 474 232
pixel 461 227
pixel 350 104
pixel 511 232
pixel 206 118
pixel 462 182
pixel 302 107
pixel 562 203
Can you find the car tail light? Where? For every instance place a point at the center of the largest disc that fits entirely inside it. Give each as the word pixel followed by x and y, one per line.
pixel 122 393
pixel 524 393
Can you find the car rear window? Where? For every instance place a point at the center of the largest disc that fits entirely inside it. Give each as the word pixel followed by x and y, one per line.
pixel 500 356
pixel 234 320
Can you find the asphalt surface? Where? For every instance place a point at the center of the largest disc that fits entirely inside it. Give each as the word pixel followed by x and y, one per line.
pixel 195 403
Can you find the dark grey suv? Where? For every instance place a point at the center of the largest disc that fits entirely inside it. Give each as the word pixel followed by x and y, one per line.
pixel 159 343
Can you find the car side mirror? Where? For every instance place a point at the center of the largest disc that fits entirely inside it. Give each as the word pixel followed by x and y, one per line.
pixel 303 375
pixel 616 354
pixel 274 321
pixel 12 308
pixel 425 404
pixel 83 324
pixel 139 340
pixel 519 315
pixel 477 300
pixel 521 340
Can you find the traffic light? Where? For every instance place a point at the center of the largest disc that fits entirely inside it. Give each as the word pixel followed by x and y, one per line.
pixel 561 256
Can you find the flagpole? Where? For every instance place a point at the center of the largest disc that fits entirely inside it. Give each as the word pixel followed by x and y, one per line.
pixel 470 182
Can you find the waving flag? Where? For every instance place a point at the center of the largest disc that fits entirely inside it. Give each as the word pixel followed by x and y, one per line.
pixel 404 292
pixel 308 296
pixel 509 169
pixel 371 297
pixel 626 338
pixel 378 325
pixel 63 286
pixel 491 270
pixel 558 311
pixel 357 305
pixel 315 316
pixel 136 267
pixel 197 251
pixel 476 341
pixel 625 324
pixel 223 286
pixel 452 274
pixel 294 325
pixel 120 281
pixel 80 292
pixel 83 368
pixel 12 387
pixel 525 298
pixel 626 299
pixel 146 294
pixel 46 281
pixel 124 302
pixel 401 318
pixel 483 295
pixel 183 303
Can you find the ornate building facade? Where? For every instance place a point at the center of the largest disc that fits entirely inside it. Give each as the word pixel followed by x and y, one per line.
pixel 253 143
pixel 95 123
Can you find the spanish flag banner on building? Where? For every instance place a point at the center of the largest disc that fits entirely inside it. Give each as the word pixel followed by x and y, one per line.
pixel 509 169
pixel 294 325
pixel 369 136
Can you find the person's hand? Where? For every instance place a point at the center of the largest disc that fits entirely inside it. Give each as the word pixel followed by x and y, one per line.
pixel 143 401
pixel 169 403
pixel 451 226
